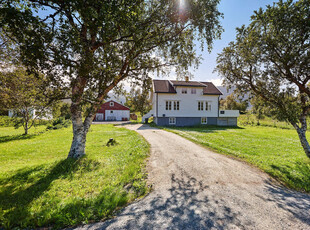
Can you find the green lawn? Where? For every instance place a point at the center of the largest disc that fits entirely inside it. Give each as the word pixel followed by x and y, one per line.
pixel 39 187
pixel 276 151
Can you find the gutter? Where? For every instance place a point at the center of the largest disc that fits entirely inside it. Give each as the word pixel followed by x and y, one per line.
pixel 218 106
pixel 156 105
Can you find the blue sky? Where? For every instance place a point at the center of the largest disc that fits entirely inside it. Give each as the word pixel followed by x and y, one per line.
pixel 236 13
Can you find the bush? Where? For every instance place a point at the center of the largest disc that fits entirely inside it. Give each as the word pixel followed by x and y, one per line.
pixel 6 121
pixel 59 123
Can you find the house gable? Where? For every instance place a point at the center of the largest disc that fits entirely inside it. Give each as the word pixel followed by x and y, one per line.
pixel 109 106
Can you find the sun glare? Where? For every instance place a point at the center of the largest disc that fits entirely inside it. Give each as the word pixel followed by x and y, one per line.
pixel 182 9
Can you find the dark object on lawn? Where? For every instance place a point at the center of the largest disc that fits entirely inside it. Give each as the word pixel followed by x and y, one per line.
pixel 111 142
pixel 133 116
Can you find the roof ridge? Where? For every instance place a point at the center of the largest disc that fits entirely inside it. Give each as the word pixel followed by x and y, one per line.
pixel 202 83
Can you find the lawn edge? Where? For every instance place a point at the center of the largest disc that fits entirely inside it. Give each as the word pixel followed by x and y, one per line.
pixel 274 179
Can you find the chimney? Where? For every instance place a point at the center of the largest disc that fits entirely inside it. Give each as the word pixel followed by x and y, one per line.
pixel 186 78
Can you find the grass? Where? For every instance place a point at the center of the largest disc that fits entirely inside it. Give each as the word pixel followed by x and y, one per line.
pixel 276 151
pixel 39 187
pixel 251 120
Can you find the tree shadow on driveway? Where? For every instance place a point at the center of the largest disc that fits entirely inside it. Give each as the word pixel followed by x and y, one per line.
pixel 183 206
pixel 297 203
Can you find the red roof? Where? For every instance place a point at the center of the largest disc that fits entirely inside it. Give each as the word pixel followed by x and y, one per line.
pixel 111 106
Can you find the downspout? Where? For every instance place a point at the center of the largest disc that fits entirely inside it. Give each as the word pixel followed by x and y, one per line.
pixel 156 107
pixel 218 106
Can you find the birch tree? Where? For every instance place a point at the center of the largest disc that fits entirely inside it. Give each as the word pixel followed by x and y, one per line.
pixel 271 57
pixel 91 46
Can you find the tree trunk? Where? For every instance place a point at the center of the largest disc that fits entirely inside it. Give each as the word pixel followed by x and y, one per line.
pixel 304 141
pixel 302 135
pixel 26 119
pixel 77 149
pixel 26 128
pixel 80 130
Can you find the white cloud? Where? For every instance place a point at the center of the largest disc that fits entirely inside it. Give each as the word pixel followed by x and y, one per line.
pixel 217 81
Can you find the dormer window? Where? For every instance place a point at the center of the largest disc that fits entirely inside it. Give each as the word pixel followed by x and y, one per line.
pixel 111 103
pixel 184 91
pixel 193 90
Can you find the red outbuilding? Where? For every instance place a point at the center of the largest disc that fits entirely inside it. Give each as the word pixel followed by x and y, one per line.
pixel 112 111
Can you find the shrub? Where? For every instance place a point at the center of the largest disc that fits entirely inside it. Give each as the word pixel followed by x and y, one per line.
pixel 6 121
pixel 59 123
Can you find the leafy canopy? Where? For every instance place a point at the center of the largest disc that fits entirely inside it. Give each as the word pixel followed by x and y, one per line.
pixel 271 57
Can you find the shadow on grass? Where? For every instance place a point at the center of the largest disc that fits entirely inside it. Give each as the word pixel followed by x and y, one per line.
pixel 21 189
pixel 204 128
pixel 4 139
pixel 297 176
pixel 198 128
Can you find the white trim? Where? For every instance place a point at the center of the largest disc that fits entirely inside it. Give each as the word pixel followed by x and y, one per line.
pixel 172 120
pixel 204 122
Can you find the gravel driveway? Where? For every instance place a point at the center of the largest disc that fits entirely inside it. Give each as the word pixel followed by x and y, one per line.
pixel 195 188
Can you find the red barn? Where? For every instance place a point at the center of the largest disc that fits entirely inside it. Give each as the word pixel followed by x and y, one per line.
pixel 112 111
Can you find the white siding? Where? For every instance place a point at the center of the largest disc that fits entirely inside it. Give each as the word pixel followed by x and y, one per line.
pixel 116 115
pixel 188 104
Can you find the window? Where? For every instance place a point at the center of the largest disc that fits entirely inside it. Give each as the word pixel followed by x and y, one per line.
pixel 111 111
pixel 200 105
pixel 203 120
pixel 172 120
pixel 176 105
pixel 168 105
pixel 184 91
pixel 111 103
pixel 193 91
pixel 208 105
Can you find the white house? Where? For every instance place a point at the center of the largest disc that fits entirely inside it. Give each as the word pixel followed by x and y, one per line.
pixel 32 113
pixel 188 103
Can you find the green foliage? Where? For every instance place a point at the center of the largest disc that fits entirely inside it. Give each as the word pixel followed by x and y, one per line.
pixel 61 109
pixel 59 123
pixel 275 151
pixel 232 102
pixel 252 120
pixel 89 47
pixel 270 57
pixel 23 93
pixel 39 187
pixel 138 99
pixel 6 121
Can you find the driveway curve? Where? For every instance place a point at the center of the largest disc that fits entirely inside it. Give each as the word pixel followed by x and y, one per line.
pixel 195 188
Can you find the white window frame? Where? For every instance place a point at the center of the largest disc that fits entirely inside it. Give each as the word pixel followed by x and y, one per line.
pixel 184 90
pixel 208 106
pixel 193 91
pixel 168 105
pixel 176 105
pixel 200 105
pixel 111 103
pixel 204 120
pixel 172 120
